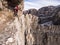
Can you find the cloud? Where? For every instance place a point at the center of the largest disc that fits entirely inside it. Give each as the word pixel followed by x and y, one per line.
pixel 39 3
pixel 28 5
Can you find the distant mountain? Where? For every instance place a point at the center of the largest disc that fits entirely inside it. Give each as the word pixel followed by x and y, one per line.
pixel 46 14
pixel 30 11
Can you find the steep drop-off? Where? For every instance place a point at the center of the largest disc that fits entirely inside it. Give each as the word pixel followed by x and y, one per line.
pixel 41 31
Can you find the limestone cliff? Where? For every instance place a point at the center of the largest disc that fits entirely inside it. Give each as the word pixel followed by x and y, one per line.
pixel 25 29
pixel 42 34
pixel 11 29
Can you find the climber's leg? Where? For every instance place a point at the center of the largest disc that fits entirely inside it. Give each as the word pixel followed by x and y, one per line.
pixel 15 13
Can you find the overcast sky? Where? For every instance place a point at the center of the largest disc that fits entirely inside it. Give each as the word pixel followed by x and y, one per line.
pixel 39 3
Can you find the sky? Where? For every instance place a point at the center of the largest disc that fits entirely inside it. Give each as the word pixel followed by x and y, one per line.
pixel 28 4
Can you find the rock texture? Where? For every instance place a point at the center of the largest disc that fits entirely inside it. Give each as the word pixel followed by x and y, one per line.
pixel 46 14
pixel 11 28
pixel 37 34
pixel 42 29
pixel 27 28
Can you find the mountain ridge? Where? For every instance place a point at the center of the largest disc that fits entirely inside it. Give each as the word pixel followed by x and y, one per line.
pixel 48 12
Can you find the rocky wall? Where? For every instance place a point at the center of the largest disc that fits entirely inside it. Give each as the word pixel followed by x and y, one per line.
pixel 11 28
pixel 37 34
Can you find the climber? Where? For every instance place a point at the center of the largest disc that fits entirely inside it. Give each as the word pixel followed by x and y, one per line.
pixel 15 10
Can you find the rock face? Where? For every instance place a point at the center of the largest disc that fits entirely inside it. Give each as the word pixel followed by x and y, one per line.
pixel 46 32
pixel 37 34
pixel 25 29
pixel 11 28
